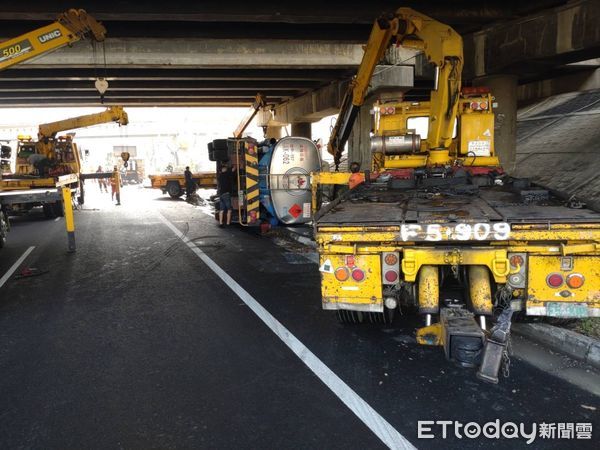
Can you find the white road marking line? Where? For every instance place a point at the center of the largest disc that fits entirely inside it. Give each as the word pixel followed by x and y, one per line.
pixel 57 219
pixel 371 418
pixel 15 266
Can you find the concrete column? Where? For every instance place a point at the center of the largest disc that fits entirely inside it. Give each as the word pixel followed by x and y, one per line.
pixel 359 142
pixel 302 129
pixel 504 89
pixel 273 132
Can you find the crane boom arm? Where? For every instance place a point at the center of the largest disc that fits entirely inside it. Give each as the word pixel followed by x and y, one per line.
pixel 259 102
pixel 442 46
pixel 112 114
pixel 71 26
pixel 355 95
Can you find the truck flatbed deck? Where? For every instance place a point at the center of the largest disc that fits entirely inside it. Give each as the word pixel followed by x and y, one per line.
pixel 378 204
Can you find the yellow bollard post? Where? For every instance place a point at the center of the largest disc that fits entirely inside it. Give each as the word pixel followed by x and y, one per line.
pixel 69 219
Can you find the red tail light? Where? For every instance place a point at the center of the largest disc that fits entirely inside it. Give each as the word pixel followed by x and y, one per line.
pixel 391 276
pixel 555 280
pixel 358 275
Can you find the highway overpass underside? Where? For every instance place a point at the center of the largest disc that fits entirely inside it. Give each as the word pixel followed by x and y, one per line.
pixel 300 56
pixel 212 53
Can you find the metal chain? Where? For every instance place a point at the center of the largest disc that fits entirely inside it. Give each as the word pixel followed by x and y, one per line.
pixel 506 359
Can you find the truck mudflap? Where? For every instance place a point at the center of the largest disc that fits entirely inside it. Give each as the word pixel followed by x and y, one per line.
pixel 351 282
pixel 563 286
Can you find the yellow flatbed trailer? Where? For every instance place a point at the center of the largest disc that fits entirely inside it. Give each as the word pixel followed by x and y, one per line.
pixel 174 183
pixel 383 247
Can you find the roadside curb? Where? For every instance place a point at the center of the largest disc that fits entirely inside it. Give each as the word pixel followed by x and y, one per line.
pixel 569 342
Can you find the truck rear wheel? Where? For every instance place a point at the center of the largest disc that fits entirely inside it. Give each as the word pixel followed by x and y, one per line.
pixel 58 209
pixel 49 212
pixel 174 190
pixel 3 228
pixel 53 210
pixel 81 197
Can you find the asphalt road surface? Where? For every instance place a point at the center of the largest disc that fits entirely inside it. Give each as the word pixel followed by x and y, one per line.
pixel 165 331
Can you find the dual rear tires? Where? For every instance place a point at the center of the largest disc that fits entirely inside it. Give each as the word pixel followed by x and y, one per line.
pixel 3 228
pixel 53 210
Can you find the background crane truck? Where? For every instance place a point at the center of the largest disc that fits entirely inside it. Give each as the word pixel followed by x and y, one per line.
pixel 438 226
pixel 70 27
pixel 40 163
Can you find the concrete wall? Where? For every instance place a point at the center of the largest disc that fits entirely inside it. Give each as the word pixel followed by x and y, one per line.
pixel 558 144
pixel 536 42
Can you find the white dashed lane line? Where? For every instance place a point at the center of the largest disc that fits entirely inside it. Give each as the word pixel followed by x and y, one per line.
pixel 15 266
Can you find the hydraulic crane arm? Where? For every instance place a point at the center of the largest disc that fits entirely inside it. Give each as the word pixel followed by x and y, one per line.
pixel 70 26
pixel 259 102
pixel 379 40
pixel 112 114
pixel 442 46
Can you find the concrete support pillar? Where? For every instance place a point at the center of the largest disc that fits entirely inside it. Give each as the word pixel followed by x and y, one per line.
pixel 359 142
pixel 504 89
pixel 273 132
pixel 302 129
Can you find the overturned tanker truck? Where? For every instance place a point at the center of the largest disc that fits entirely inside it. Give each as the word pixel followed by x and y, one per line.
pixel 271 179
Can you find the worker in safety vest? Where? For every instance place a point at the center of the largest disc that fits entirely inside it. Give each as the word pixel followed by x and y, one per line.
pixel 356 178
pixel 113 185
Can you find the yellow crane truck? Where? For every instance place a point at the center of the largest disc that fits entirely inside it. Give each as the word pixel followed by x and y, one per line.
pixel 40 162
pixel 70 27
pixel 438 226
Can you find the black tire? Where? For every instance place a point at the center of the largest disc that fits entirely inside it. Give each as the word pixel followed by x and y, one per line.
pixel 3 228
pixel 220 150
pixel 49 212
pixel 59 211
pixel 81 197
pixel 211 151
pixel 174 190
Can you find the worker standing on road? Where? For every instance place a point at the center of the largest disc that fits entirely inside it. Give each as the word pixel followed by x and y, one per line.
pixel 102 181
pixel 190 186
pixel 225 186
pixel 113 184
pixel 356 178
